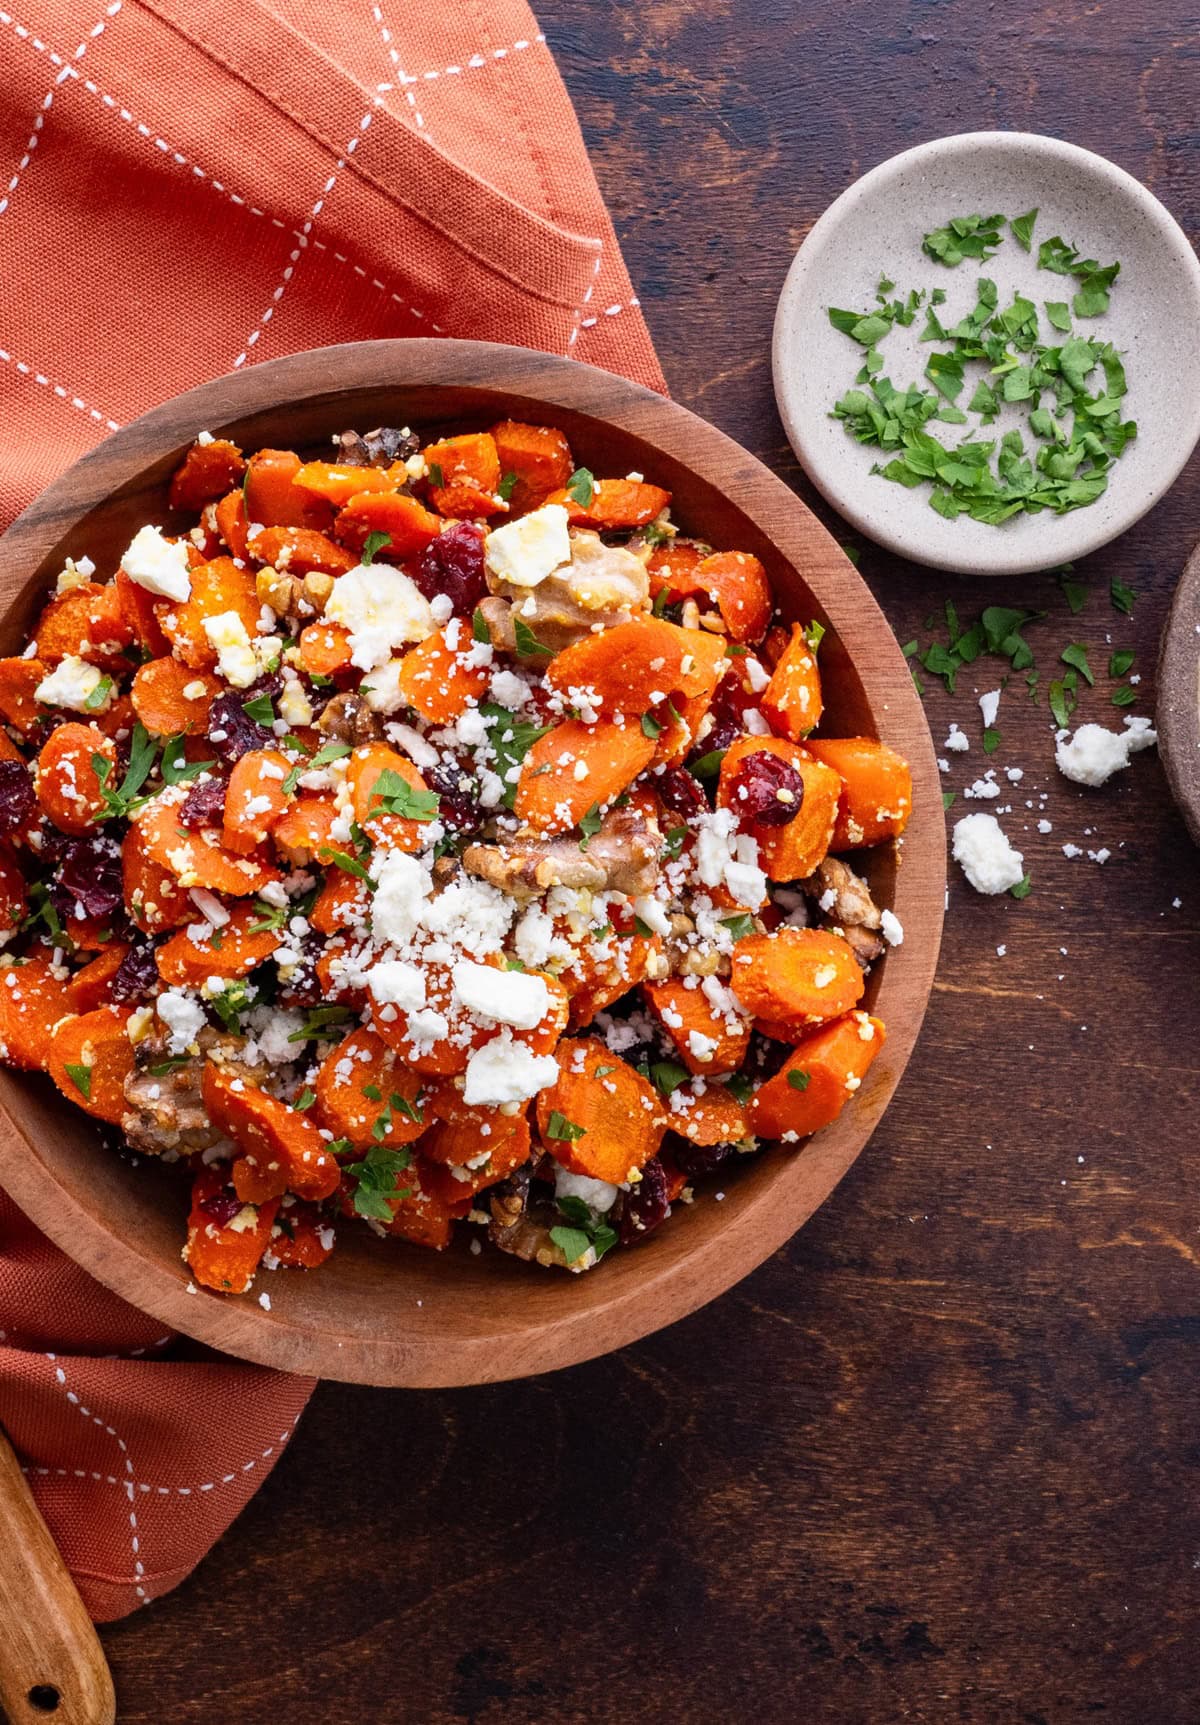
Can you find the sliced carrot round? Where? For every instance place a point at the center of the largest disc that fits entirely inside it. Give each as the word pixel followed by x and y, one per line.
pixel 356 1087
pixel 33 998
pixel 224 1254
pixel 91 986
pixel 817 1079
pixel 600 1118
pixel 235 949
pixel 299 551
pixel 66 782
pixel 90 1057
pixel 170 698
pixel 196 858
pixel 796 976
pixel 282 1149
pixel 255 799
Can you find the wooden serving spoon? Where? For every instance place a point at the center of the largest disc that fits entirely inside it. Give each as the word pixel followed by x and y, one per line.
pixel 52 1667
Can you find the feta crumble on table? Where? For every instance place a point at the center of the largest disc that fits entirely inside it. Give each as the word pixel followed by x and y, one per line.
pixel 1094 753
pixel 985 855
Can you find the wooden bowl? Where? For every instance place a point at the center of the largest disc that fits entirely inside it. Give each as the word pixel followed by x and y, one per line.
pixel 1178 707
pixel 384 1312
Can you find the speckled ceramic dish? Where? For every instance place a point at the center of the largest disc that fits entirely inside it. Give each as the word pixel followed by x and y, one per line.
pixel 875 229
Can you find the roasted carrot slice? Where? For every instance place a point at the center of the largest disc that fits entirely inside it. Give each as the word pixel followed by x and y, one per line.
pixel 217 587
pixel 791 700
pixel 255 799
pixel 446 1056
pixel 464 475
pixel 534 459
pixel 671 567
pixel 153 897
pixel 273 498
pixel 410 527
pixel 33 998
pixel 796 976
pixel 597 983
pixel 139 608
pixel 615 503
pixel 169 697
pixel 446 1151
pixel 86 622
pixel 793 851
pixel 233 524
pixel 370 794
pixel 424 1216
pixel 357 1088
pixel 600 1117
pixel 707 1037
pixel 207 472
pixel 226 1239
pixel 196 858
pixel 301 1239
pixel 282 1149
pixel 92 986
pixel 66 782
pixel 343 903
pixel 435 679
pixel 638 665
pixel 235 949
pixel 324 649
pixel 553 797
pixel 876 797
pixel 303 827
pixel 18 680
pixel 337 482
pixel 817 1079
pixel 299 551
pixel 711 1116
pixel 90 1057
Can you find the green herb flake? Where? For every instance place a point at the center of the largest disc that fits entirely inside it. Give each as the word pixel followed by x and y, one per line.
pixel 674 842
pixel 1123 597
pixel 563 1130
pixel 81 1078
pixel 667 1075
pixel 433 473
pixel 1022 229
pixel 372 546
pixel 738 926
pixel 527 644
pixel 175 769
pixel 571 1242
pixel 590 824
pixel 581 487
pixel 376 1178
pixel 508 484
pixel 948 798
pixel 650 726
pixel 98 698
pixel 799 1080
pixel 350 865
pixel 304 1101
pixel 261 709
pixel 962 237
pixel 991 740
pixel 1120 661
pixel 1124 696
pixel 1076 656
pixel 479 628
pixel 1021 890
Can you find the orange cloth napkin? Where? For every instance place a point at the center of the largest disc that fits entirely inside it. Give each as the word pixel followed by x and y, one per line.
pixel 187 187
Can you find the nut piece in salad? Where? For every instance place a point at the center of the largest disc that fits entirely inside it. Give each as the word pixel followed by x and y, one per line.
pixel 433 839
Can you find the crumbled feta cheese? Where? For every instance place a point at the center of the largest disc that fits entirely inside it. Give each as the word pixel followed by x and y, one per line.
pixel 403 886
pixel 74 683
pixel 505 996
pixel 525 551
pixel 158 566
pixel 294 705
pixel 382 691
pixel 237 660
pixel 986 857
pixel 382 608
pixel 183 1017
pixel 890 928
pixel 1094 754
pixel 989 706
pixel 394 983
pixel 957 742
pixel 598 1195
pixel 505 1071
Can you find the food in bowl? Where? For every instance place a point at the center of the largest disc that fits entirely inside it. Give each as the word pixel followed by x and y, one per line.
pixel 434 834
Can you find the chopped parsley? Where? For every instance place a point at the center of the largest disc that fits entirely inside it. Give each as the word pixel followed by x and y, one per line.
pixel 650 726
pixel 559 1127
pixel 507 486
pixel 511 739
pixel 967 237
pixel 1076 656
pixel 738 926
pixel 667 1075
pixel 1021 890
pixel 527 643
pixel 581 487
pixel 375 1179
pixel 479 629
pixel 99 695
pixel 395 795
pixel 1122 596
pixel 799 1080
pixel 372 545
pixel 81 1078
pixel 326 753
pixel 175 769
pixel 261 709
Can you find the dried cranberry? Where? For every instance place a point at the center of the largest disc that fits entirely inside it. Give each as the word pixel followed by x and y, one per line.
pixel 231 730
pixel 221 1208
pixel 680 792
pixel 89 877
pixel 764 1056
pixel 137 974
pixel 17 800
pixel 459 807
pixel 44 727
pixel 696 1160
pixel 647 1206
pixel 453 564
pixel 204 805
pixel 723 733
pixel 766 789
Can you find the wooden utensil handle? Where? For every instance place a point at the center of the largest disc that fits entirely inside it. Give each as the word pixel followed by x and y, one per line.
pixel 52 1667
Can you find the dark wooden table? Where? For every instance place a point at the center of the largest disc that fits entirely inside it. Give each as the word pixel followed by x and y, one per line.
pixel 940 1459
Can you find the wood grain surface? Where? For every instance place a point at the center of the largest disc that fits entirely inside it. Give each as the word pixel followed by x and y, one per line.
pixel 938 1459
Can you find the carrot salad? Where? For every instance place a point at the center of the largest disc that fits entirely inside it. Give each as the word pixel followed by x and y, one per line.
pixel 434 834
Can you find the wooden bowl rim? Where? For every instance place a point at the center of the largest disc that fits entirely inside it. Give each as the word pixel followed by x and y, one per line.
pixel 613 1313
pixel 1177 712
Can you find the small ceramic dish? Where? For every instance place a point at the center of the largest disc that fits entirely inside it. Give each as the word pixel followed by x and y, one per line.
pixel 1178 712
pixel 382 1312
pixel 875 230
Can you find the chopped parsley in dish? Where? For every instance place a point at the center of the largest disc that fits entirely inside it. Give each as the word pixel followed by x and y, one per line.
pixel 433 837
